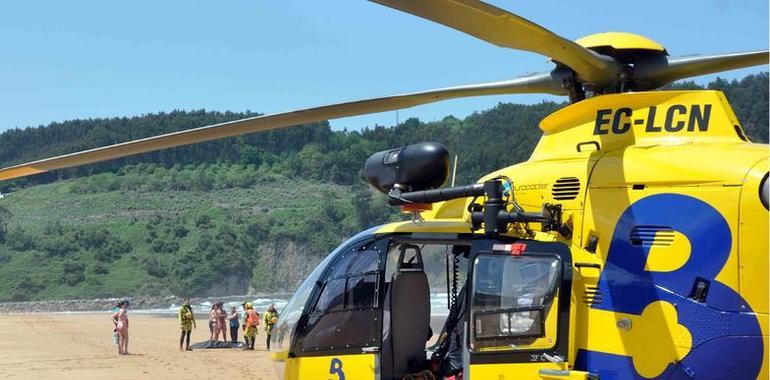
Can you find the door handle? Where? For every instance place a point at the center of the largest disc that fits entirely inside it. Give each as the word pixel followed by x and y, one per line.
pixel 555 359
pixel 588 265
pixel 555 374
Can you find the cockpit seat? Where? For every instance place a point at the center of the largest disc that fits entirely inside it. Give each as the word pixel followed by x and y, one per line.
pixel 407 317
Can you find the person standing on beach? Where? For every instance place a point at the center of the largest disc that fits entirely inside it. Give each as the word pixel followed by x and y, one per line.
pixel 243 324
pixel 234 324
pixel 222 312
pixel 214 322
pixel 271 317
pixel 252 321
pixel 120 319
pixel 187 322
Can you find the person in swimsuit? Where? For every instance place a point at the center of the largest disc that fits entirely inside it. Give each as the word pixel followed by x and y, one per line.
pixel 187 322
pixel 222 315
pixel 214 321
pixel 120 319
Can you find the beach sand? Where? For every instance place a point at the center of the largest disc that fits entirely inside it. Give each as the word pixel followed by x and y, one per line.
pixel 79 346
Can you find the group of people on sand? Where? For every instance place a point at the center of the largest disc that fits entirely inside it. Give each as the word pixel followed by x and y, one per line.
pixel 220 320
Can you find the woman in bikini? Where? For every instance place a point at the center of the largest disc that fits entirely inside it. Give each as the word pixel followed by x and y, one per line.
pixel 214 321
pixel 223 321
pixel 120 319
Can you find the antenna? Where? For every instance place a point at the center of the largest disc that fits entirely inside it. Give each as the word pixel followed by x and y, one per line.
pixel 454 171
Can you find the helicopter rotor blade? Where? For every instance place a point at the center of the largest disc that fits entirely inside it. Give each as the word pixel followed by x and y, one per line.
pixel 537 83
pixel 504 29
pixel 660 71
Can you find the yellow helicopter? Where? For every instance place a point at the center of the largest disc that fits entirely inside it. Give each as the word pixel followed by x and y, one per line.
pixel 632 244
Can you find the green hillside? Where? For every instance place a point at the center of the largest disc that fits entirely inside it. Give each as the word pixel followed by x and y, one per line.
pixel 63 243
pixel 225 217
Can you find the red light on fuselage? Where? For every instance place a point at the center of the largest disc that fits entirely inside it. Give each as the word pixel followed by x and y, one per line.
pixel 517 249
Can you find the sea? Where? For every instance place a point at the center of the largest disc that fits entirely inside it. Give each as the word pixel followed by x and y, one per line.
pixel 438 305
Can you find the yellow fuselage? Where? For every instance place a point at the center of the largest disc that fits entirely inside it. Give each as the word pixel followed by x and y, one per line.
pixel 660 191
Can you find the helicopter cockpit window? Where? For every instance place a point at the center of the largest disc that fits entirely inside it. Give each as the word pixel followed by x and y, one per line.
pixel 291 313
pixel 354 262
pixel 512 296
pixel 361 291
pixel 333 296
pixel 351 282
pixel 352 292
pixel 349 297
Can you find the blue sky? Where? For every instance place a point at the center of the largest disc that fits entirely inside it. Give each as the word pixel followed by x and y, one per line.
pixel 78 59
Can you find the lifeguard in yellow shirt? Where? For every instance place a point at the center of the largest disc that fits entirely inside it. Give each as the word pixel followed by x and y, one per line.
pixel 187 323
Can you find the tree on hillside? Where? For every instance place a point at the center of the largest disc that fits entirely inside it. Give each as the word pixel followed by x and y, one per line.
pixel 4 216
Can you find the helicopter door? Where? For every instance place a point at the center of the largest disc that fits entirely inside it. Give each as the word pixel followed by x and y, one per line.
pixel 519 312
pixel 339 336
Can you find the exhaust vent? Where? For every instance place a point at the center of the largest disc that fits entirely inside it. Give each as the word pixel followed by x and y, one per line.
pixel 592 295
pixel 648 236
pixel 565 188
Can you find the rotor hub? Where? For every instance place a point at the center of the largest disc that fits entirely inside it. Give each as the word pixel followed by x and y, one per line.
pixel 612 43
pixel 627 49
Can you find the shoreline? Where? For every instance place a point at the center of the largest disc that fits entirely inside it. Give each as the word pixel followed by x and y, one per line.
pixel 142 304
pixel 163 305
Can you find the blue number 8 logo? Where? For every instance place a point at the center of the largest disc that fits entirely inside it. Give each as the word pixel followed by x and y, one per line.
pixel 726 338
pixel 335 368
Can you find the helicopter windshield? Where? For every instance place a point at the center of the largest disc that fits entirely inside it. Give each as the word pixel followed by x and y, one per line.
pixel 284 329
pixel 293 310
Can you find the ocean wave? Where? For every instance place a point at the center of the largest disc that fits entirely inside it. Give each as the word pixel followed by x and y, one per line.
pixel 438 303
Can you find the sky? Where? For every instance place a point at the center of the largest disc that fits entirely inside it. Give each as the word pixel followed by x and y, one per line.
pixel 62 60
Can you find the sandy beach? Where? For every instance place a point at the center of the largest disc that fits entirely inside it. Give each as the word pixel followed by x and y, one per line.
pixel 79 346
